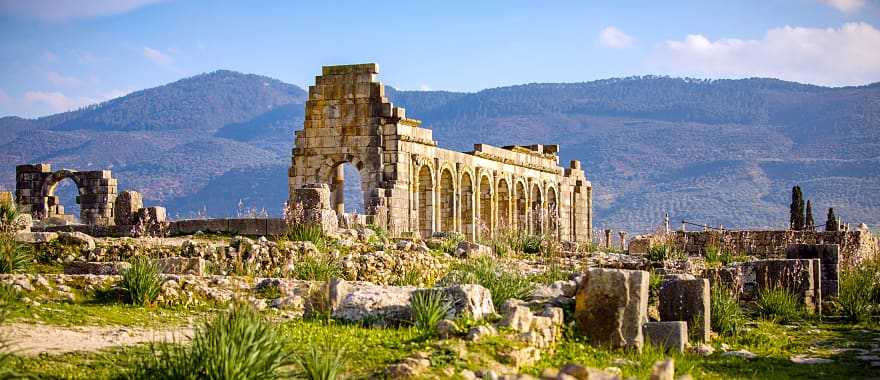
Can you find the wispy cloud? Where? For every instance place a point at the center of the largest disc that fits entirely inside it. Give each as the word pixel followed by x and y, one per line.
pixel 615 38
pixel 847 55
pixel 157 56
pixel 846 6
pixel 60 80
pixel 57 101
pixel 424 87
pixel 64 10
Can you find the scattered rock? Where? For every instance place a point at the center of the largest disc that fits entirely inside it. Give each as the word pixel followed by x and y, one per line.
pixel 663 370
pixel 801 359
pixel 408 368
pixel 521 357
pixel 98 268
pixel 703 349
pixel 472 301
pixel 671 335
pixel 586 373
pixel 480 332
pixel 85 241
pixel 745 354
pixel 447 329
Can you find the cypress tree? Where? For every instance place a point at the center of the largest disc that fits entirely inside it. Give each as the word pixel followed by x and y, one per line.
pixel 831 223
pixel 810 224
pixel 796 219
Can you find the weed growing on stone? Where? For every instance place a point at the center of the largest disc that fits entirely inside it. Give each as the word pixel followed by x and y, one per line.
pixel 779 305
pixel 726 315
pixel 142 281
pixel 428 308
pixel 317 267
pixel 484 271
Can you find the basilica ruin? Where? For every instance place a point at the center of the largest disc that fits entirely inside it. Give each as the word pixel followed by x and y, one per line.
pixel 410 184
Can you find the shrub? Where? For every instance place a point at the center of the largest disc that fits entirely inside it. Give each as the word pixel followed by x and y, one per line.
pixel 531 244
pixel 322 361
pixel 142 281
pixel 553 273
pixel 10 222
pixel 428 308
pixel 858 290
pixel 778 304
pixel 727 317
pixel 317 267
pixel 14 257
pixel 450 243
pixel 484 271
pixel 664 252
pixel 236 344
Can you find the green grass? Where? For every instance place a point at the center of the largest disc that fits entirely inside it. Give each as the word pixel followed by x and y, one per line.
pixel 428 308
pixel 142 281
pixel 859 289
pixel 726 314
pixel 71 314
pixel 310 232
pixel 779 305
pixel 236 344
pixel 322 361
pixel 484 271
pixel 14 256
pixel 317 267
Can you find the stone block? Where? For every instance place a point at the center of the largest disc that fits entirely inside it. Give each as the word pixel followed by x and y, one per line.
pixel 794 275
pixel 191 226
pixel 671 335
pixel 829 254
pixel 611 306
pixel 730 278
pixel 364 302
pixel 97 268
pixel 248 226
pixel 687 300
pixel 471 301
pixel 126 206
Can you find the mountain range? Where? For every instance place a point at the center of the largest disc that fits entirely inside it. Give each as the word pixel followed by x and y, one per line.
pixel 719 152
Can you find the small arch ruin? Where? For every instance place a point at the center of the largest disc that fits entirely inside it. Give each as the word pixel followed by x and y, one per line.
pixel 35 193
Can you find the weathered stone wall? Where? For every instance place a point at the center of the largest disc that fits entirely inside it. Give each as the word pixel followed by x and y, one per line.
pixel 855 246
pixel 35 189
pixel 411 185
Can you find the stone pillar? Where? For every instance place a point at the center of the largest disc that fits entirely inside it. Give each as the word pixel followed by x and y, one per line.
pixel 607 239
pixel 622 240
pixel 611 306
pixel 339 190
pixel 687 300
pixel 126 207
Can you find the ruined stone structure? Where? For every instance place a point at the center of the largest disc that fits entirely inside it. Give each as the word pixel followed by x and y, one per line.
pixel 35 193
pixel 409 184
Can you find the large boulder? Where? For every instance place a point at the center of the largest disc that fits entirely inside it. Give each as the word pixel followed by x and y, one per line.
pixel 672 335
pixel 611 306
pixel 470 300
pixel 79 238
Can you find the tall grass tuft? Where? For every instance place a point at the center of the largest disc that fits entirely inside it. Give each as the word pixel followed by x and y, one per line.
pixel 858 293
pixel 779 305
pixel 236 344
pixel 317 267
pixel 14 257
pixel 310 232
pixel 322 362
pixel 727 317
pixel 142 281
pixel 484 271
pixel 429 307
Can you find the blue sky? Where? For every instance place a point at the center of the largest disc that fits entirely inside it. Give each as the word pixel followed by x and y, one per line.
pixel 63 54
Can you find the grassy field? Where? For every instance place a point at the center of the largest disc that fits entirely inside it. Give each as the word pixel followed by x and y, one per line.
pixel 369 350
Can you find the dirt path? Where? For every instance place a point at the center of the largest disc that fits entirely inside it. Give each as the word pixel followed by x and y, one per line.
pixel 33 339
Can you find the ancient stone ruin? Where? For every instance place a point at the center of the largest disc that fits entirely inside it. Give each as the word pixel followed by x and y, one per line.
pixel 410 184
pixel 35 193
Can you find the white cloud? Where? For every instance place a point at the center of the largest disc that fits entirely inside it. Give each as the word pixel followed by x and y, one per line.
pixel 56 100
pixel 615 38
pixel 157 56
pixel 63 10
pixel 424 87
pixel 845 6
pixel 834 56
pixel 61 80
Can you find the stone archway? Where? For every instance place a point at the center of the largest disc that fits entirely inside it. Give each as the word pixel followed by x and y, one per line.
pixel 521 206
pixel 446 190
pixel 503 194
pixel 35 188
pixel 425 197
pixel 537 210
pixel 467 206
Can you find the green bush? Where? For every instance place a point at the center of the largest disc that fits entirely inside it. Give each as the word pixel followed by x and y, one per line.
pixel 142 281
pixel 858 290
pixel 428 308
pixel 317 267
pixel 778 304
pixel 531 244
pixel 325 361
pixel 450 243
pixel 484 271
pixel 664 252
pixel 14 257
pixel 236 344
pixel 727 317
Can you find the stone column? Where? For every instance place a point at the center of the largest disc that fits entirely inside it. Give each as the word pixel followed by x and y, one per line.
pixel 607 239
pixel 622 240
pixel 339 190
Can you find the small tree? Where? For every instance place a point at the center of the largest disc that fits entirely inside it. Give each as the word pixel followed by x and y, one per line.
pixel 831 223
pixel 797 209
pixel 810 224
